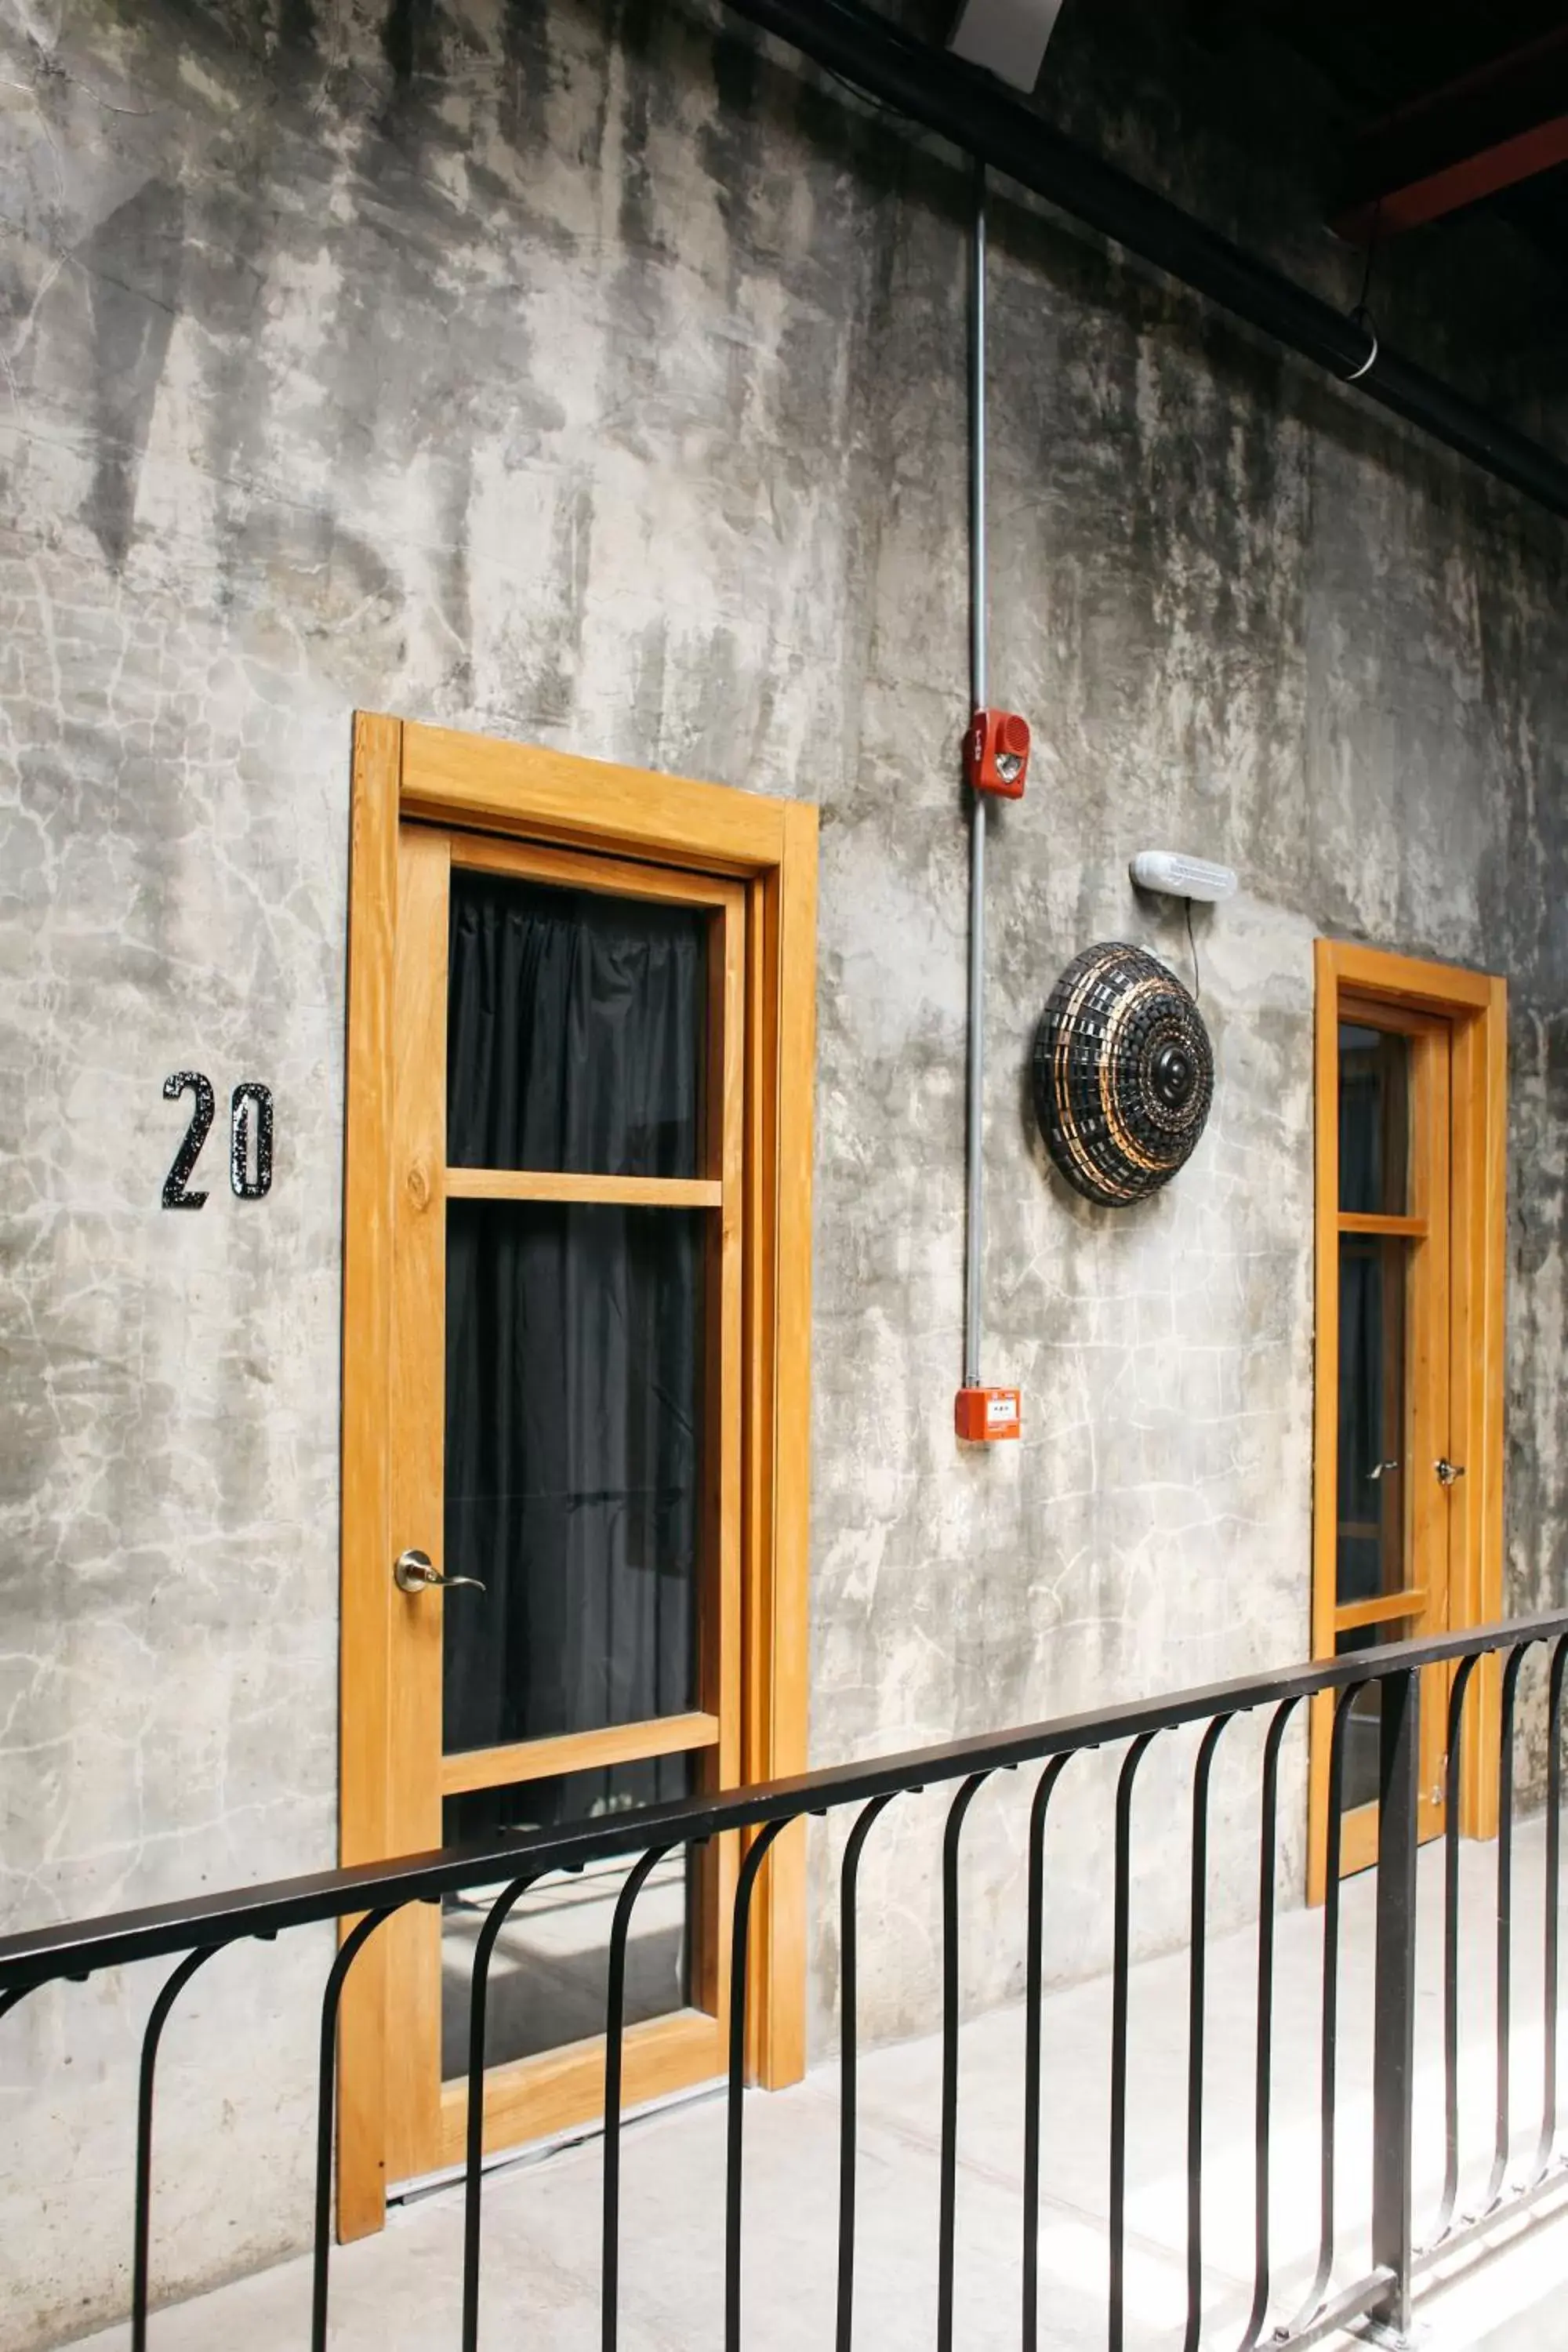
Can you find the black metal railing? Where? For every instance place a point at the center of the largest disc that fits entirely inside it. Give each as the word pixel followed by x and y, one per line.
pixel 368 1895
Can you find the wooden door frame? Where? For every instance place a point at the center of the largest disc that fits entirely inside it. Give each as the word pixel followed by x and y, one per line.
pixel 402 769
pixel 1475 1005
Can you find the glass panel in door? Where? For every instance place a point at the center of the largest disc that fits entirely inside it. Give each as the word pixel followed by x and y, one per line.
pixel 1375 1119
pixel 576 1030
pixel 574 1466
pixel 1373 1422
pixel 576 1333
pixel 1373 1535
pixel 547 1976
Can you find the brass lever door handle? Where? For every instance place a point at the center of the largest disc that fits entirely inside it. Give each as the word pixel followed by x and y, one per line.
pixel 415 1571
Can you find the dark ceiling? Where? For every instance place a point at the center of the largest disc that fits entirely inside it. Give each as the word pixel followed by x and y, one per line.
pixel 1382 53
pixel 1448 104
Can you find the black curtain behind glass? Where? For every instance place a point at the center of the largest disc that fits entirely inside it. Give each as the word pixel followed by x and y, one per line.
pixel 573 1332
pixel 1360 1430
pixel 575 1030
pixel 1373 1125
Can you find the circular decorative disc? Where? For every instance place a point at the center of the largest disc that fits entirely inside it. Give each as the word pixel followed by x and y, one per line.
pixel 1124 1075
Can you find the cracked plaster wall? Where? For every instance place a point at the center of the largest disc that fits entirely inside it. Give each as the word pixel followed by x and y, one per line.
pixel 591 378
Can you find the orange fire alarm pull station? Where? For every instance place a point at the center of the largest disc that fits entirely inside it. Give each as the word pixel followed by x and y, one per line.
pixel 996 754
pixel 980 1415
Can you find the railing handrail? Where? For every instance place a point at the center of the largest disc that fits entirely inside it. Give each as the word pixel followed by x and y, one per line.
pixel 79 1948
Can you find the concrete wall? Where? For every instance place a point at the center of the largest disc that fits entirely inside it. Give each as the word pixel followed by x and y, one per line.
pixel 588 377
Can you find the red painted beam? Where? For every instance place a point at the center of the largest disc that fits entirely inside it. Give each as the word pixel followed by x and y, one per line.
pixel 1505 122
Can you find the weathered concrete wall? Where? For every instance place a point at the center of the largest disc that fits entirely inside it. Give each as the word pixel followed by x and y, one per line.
pixel 587 377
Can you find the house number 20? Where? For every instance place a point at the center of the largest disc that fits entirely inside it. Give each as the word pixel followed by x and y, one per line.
pixel 249 1138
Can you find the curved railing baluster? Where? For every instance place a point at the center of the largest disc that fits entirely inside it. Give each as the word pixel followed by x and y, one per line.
pixel 849 1876
pixel 474 2121
pixel 1328 2039
pixel 1121 1945
pixel 349 1951
pixel 1553 1897
pixel 1264 2085
pixel 756 1854
pixel 1197 1964
pixel 614 2039
pixel 142 2224
pixel 1505 1928
pixel 947 2212
pixel 1032 1988
pixel 1452 1791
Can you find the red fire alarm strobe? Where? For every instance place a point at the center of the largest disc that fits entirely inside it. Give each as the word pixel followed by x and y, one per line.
pixel 980 1415
pixel 997 752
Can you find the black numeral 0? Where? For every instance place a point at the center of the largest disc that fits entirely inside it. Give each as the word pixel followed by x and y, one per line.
pixel 246 1097
pixel 180 1082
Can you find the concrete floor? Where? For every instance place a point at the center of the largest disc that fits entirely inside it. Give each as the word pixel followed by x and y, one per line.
pixel 400 2292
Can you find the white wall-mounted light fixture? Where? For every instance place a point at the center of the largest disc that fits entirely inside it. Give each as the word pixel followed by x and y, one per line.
pixel 1006 37
pixel 1175 877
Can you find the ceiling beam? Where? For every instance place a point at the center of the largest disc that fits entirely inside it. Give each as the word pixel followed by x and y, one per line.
pixel 1504 123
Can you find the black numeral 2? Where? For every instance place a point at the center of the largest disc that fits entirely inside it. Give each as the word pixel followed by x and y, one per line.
pixel 180 1082
pixel 249 1142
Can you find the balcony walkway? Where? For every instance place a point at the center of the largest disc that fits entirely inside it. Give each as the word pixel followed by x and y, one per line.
pixel 399 2292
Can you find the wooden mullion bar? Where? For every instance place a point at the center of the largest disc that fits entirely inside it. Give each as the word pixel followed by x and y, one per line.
pixel 1381 1610
pixel 607 1191
pixel 577 1751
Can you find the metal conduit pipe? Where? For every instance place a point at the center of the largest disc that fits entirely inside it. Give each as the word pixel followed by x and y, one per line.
pixel 969 107
pixel 975 1250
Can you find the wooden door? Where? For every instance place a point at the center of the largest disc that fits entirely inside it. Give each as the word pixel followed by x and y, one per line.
pixel 567 1148
pixel 1412 1133
pixel 1383 1365
pixel 439 817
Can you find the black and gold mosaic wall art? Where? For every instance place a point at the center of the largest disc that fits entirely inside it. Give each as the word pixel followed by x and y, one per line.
pixel 1124 1075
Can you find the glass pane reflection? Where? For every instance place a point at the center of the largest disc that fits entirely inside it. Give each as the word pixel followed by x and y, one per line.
pixel 575 1026
pixel 549 1970
pixel 1362 1733
pixel 1374 1120
pixel 1371 1542
pixel 574 1466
